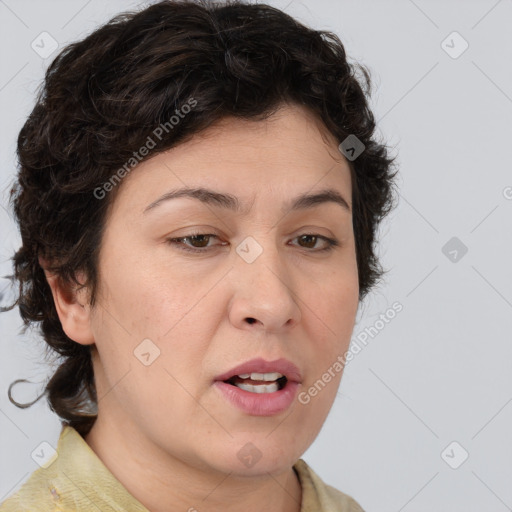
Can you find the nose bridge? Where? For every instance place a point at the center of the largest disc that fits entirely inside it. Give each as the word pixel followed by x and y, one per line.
pixel 260 255
pixel 263 288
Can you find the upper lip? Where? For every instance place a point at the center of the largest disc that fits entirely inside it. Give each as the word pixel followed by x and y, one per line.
pixel 259 365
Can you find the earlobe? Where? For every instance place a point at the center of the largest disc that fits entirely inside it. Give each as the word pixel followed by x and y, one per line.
pixel 71 305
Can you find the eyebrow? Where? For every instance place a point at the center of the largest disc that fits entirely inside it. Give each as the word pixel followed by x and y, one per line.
pixel 230 202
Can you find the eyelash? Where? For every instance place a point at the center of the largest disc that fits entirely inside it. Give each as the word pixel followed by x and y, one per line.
pixel 332 242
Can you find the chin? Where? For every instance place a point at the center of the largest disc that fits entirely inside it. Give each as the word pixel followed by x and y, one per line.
pixel 256 456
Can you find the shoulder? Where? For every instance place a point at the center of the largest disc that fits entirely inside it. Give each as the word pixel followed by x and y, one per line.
pixel 38 493
pixel 71 479
pixel 35 495
pixel 321 497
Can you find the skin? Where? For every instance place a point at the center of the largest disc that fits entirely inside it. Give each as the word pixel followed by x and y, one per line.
pixel 163 430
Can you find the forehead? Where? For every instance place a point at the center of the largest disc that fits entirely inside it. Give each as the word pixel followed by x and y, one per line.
pixel 289 153
pixel 283 132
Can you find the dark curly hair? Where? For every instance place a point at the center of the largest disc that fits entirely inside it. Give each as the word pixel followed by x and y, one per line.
pixel 104 95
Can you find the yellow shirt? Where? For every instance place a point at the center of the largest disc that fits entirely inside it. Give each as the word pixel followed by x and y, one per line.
pixel 78 481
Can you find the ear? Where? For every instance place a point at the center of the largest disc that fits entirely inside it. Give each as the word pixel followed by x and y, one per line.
pixel 72 306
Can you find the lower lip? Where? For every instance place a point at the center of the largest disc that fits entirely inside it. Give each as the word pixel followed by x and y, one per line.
pixel 260 404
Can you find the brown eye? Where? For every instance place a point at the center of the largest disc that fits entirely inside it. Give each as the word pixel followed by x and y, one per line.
pixel 201 239
pixel 311 240
pixel 195 242
pixel 198 242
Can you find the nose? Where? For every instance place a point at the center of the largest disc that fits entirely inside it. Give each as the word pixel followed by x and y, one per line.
pixel 264 295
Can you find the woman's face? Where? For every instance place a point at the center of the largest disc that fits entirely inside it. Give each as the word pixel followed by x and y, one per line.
pixel 169 322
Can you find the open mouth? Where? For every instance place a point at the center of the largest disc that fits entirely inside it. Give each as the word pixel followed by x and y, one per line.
pixel 259 382
pixel 259 387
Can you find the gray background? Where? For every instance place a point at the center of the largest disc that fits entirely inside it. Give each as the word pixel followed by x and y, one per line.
pixel 440 370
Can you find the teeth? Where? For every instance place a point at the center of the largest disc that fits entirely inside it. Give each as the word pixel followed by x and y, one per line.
pixel 261 376
pixel 261 388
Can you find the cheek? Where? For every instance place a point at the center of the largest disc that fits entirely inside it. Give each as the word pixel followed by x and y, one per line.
pixel 338 301
pixel 331 323
pixel 146 297
pixel 145 300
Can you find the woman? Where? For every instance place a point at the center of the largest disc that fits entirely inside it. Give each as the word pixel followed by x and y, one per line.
pixel 198 196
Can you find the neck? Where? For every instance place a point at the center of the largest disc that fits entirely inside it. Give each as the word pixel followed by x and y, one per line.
pixel 163 483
